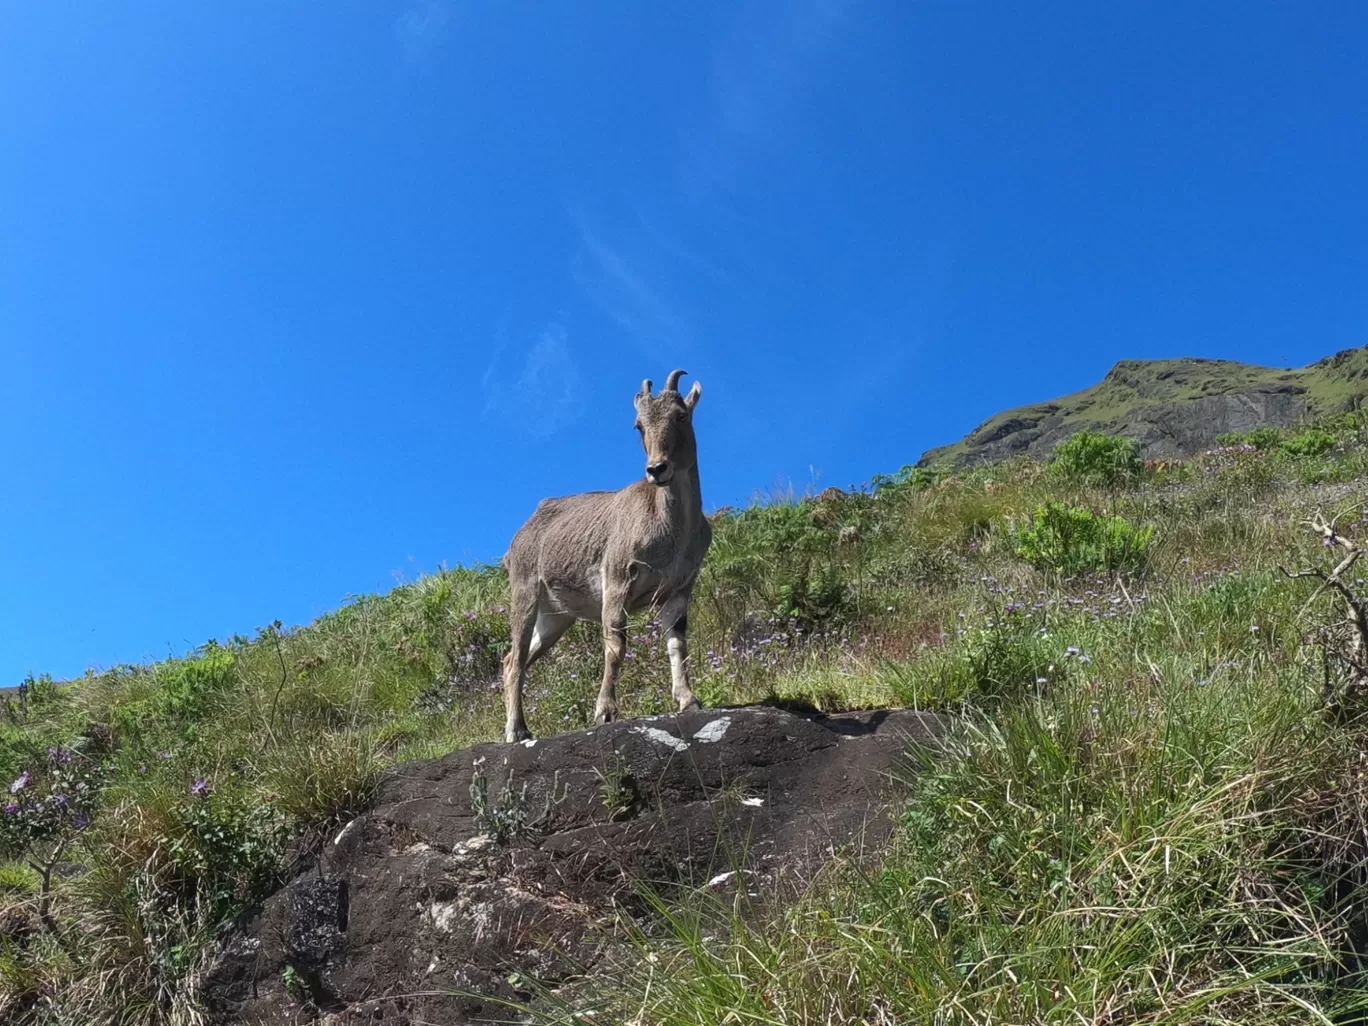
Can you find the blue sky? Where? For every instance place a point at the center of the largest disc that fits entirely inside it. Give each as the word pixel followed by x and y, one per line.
pixel 297 299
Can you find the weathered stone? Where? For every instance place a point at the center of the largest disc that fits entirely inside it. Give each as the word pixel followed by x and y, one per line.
pixel 431 908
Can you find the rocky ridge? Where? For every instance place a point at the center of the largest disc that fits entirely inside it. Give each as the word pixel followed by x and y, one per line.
pixel 1172 407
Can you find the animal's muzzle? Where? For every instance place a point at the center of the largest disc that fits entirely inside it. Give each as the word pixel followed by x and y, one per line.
pixel 658 472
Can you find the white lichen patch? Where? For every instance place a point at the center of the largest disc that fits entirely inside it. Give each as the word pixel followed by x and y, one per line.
pixel 528 742
pixel 662 737
pixel 442 915
pixel 754 803
pixel 714 731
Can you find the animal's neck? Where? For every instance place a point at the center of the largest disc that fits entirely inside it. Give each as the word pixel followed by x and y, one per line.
pixel 681 501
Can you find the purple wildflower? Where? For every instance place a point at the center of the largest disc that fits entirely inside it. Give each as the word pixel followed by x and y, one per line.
pixel 20 782
pixel 200 787
pixel 82 821
pixel 11 808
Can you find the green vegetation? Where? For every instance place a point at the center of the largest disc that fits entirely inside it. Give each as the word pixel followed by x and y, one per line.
pixel 1144 815
pixel 1090 458
pixel 1073 539
pixel 1158 397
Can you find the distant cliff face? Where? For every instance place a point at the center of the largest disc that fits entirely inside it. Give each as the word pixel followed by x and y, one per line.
pixel 1173 407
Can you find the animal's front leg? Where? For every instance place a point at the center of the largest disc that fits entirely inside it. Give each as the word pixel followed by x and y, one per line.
pixel 614 646
pixel 675 615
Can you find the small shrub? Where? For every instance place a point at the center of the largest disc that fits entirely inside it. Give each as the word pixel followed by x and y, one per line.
pixel 1311 442
pixel 502 818
pixel 51 801
pixel 176 696
pixel 1095 459
pixel 226 850
pixel 1071 539
pixel 32 696
pixel 914 566
pixel 18 878
pixel 812 595
pixel 908 479
pixel 1260 438
pixel 321 782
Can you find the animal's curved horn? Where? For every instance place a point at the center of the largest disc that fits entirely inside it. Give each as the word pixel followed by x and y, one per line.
pixel 646 387
pixel 672 382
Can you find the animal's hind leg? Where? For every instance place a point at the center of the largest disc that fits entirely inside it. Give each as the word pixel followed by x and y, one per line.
pixel 523 621
pixel 675 616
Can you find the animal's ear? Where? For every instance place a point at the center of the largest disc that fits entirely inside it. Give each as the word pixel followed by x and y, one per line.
pixel 695 394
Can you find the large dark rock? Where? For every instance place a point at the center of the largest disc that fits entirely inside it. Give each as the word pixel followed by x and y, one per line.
pixel 501 862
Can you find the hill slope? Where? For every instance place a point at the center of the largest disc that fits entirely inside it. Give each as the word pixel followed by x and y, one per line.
pixel 1142 810
pixel 1174 407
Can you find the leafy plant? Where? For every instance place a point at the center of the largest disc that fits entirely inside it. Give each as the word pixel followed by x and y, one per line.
pixel 502 817
pixel 617 788
pixel 1262 438
pixel 1096 459
pixel 1311 442
pixel 226 850
pixel 50 804
pixel 1072 539
pixel 812 594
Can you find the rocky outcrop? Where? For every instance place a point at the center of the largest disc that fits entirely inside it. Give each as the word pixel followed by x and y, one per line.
pixel 1180 427
pixel 501 863
pixel 1172 407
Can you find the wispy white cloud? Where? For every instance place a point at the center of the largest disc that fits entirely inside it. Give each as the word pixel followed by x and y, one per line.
pixel 422 29
pixel 536 390
pixel 624 293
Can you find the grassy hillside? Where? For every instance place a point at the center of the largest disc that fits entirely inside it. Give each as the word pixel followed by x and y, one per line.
pixel 1175 407
pixel 1147 813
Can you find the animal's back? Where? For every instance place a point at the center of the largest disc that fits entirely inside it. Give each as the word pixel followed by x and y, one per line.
pixel 564 536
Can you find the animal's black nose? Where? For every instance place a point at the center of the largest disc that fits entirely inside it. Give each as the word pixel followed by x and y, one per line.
pixel 658 469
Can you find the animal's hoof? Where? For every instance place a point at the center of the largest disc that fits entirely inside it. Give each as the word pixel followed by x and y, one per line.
pixel 603 716
pixel 692 702
pixel 517 733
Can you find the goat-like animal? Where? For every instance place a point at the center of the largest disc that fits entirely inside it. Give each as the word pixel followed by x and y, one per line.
pixel 602 555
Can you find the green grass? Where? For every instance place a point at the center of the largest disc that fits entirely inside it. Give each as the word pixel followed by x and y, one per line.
pixel 1143 816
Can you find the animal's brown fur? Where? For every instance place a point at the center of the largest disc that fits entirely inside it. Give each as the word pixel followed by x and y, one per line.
pixel 602 555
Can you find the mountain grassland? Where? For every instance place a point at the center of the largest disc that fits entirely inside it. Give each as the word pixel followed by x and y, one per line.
pixel 1172 407
pixel 1149 810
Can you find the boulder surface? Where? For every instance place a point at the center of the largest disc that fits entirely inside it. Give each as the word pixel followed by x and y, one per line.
pixel 499 863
